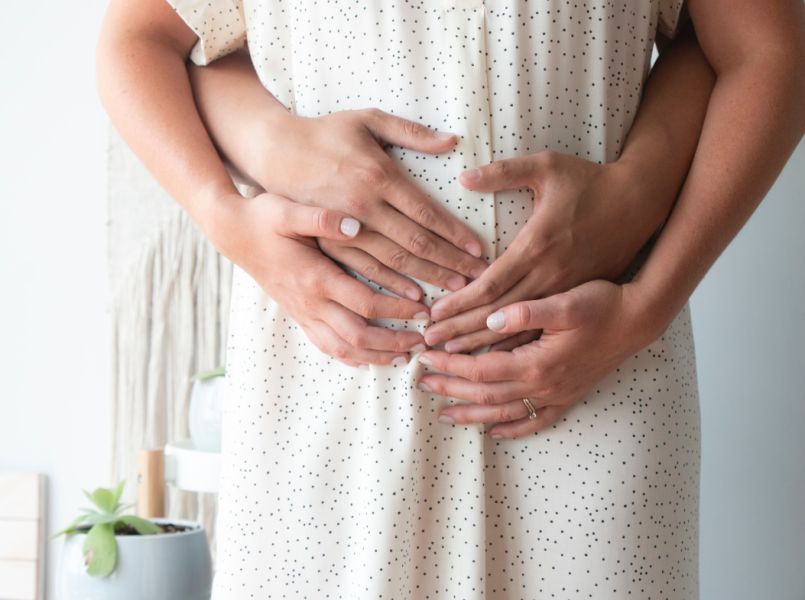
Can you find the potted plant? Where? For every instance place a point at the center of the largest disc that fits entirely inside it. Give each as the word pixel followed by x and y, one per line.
pixel 109 555
pixel 206 408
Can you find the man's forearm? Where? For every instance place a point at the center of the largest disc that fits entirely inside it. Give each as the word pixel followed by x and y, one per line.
pixel 754 121
pixel 662 140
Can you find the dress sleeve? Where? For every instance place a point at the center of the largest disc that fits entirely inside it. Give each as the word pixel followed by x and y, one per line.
pixel 669 15
pixel 219 24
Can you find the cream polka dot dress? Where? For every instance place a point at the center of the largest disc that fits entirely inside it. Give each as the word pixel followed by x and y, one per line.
pixel 340 483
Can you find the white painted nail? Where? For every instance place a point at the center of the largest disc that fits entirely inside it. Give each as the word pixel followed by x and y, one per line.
pixel 350 226
pixel 399 361
pixel 422 316
pixel 446 419
pixel 418 348
pixel 496 321
pixel 443 135
pixel 424 386
pixel 412 293
pixel 424 360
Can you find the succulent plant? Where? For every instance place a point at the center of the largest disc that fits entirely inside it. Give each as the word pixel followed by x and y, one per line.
pixel 101 524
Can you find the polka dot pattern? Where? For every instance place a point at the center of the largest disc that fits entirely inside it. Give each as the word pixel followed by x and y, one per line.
pixel 340 483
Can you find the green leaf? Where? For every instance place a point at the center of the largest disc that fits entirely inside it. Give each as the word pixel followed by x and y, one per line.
pixel 100 550
pixel 143 526
pixel 104 499
pixel 97 518
pixel 70 528
pixel 204 376
pixel 118 493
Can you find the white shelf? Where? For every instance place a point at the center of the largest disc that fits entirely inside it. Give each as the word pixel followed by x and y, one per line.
pixel 190 469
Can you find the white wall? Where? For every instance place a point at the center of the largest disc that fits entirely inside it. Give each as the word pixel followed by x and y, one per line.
pixel 749 326
pixel 54 325
pixel 55 411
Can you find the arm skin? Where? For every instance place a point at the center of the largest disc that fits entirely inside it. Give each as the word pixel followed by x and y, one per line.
pixel 754 121
pixel 144 86
pixel 582 201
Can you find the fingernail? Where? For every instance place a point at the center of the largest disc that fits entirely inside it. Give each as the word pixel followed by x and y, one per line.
pixel 473 248
pixel 399 361
pixel 477 272
pixel 418 348
pixel 412 293
pixel 443 135
pixel 495 436
pixel 423 386
pixel 496 321
pixel 424 360
pixel 422 316
pixel 432 338
pixel 446 419
pixel 471 175
pixel 455 283
pixel 350 226
pixel 452 346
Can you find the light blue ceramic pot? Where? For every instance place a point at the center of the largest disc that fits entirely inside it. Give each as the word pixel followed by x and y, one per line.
pixel 170 566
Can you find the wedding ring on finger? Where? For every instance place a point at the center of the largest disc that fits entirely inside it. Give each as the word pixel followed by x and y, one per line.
pixel 532 412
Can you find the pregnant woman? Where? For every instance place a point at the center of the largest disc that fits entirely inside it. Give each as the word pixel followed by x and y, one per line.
pixel 564 462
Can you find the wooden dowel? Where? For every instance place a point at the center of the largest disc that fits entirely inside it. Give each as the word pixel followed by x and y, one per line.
pixel 151 484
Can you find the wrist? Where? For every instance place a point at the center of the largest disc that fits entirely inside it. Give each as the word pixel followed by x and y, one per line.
pixel 218 213
pixel 648 315
pixel 645 204
pixel 263 143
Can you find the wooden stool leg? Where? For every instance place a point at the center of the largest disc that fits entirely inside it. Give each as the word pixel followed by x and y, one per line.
pixel 151 484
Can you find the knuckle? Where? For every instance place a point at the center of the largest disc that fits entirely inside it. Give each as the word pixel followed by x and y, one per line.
pixel 322 216
pixel 499 169
pixel 371 271
pixel 340 351
pixel 548 158
pixel 366 309
pixel 413 129
pixel 476 374
pixel 373 175
pixel 486 397
pixel 567 306
pixel 522 314
pixel 505 413
pixel 425 216
pixel 489 289
pixel 399 260
pixel 421 244
pixel 356 338
pixel 355 205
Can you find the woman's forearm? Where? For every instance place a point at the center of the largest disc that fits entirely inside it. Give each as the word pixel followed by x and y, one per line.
pixel 233 104
pixel 754 120
pixel 143 84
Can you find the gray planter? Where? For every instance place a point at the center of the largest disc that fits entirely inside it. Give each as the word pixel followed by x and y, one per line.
pixel 170 566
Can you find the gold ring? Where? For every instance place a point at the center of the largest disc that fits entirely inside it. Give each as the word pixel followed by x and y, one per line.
pixel 532 412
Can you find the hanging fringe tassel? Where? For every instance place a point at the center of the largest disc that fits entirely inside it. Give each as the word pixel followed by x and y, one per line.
pixel 169 322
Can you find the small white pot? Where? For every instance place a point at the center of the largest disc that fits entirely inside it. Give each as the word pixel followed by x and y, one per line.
pixel 167 566
pixel 206 408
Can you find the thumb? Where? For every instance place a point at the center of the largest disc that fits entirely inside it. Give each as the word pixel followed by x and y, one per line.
pixel 409 134
pixel 299 220
pixel 552 312
pixel 505 174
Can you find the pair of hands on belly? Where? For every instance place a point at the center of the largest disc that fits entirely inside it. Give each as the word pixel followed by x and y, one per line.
pixel 566 325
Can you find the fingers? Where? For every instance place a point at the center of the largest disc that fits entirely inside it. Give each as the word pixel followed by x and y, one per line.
pixel 364 301
pixel 488 367
pixel 519 339
pixel 372 269
pixel 486 394
pixel 300 220
pixel 511 173
pixel 329 342
pixel 546 417
pixel 400 260
pixel 501 276
pixel 358 333
pixel 553 312
pixel 408 134
pixel 426 245
pixel 409 199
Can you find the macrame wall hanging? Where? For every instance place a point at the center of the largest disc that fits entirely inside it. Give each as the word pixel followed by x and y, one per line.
pixel 170 302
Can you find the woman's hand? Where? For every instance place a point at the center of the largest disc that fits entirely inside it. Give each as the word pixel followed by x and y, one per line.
pixel 586 332
pixel 589 222
pixel 338 161
pixel 273 239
